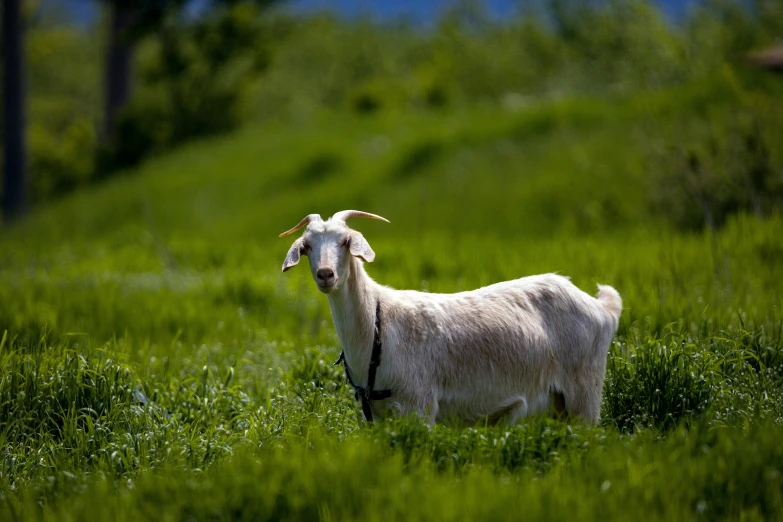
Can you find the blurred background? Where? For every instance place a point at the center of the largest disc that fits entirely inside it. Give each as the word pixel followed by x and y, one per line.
pixel 109 84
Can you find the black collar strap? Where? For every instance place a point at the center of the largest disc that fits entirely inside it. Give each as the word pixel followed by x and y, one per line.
pixel 368 394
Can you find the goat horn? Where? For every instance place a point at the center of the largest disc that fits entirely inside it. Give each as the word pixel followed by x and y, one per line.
pixel 343 215
pixel 308 219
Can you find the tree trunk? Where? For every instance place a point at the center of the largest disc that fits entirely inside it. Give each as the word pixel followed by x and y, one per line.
pixel 14 186
pixel 119 59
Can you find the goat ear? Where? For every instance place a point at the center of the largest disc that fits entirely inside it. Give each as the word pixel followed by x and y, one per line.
pixel 361 248
pixel 294 253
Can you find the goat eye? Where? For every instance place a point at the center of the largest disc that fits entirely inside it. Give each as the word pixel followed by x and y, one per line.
pixel 345 242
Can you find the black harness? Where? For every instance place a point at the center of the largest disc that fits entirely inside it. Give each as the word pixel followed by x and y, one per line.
pixel 368 394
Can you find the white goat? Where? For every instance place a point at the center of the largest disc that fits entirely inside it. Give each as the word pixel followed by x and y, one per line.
pixel 509 350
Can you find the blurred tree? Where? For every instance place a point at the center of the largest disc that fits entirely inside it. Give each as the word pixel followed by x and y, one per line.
pixel 573 20
pixel 63 90
pixel 200 58
pixel 699 182
pixel 118 64
pixel 14 193
pixel 130 21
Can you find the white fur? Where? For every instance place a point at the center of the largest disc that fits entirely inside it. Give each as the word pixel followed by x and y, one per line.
pixel 504 350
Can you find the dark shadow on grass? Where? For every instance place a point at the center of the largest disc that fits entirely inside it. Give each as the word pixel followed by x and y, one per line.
pixel 420 157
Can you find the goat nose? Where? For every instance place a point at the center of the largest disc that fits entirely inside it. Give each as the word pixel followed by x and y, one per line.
pixel 325 276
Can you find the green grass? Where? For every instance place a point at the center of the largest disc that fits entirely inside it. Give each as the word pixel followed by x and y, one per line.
pixel 155 363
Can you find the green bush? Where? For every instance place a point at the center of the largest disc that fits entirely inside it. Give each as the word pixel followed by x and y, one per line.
pixel 714 169
pixel 91 411
pixel 63 67
pixel 194 81
pixel 657 384
pixel 61 162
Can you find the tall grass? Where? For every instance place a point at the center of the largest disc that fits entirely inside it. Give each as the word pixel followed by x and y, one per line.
pixel 154 362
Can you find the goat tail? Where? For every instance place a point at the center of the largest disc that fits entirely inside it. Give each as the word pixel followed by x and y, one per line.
pixel 611 300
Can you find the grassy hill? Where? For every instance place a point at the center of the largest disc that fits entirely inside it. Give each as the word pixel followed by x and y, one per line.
pixel 154 356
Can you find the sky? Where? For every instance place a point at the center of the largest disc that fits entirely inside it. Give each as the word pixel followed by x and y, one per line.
pixel 421 12
pixel 426 11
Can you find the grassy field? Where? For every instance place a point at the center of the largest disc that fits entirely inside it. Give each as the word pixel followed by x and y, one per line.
pixel 156 364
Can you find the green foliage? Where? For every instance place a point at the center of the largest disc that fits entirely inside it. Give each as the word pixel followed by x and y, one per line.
pixel 191 452
pixel 195 79
pixel 214 373
pixel 547 50
pixel 63 67
pixel 68 409
pixel 714 169
pixel 61 162
pixel 152 355
pixel 351 482
pixel 242 62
